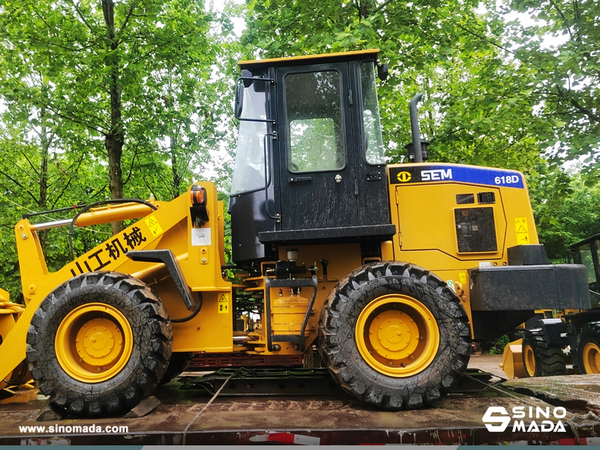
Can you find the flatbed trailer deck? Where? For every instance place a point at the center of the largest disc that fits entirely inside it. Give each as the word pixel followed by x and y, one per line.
pixel 187 414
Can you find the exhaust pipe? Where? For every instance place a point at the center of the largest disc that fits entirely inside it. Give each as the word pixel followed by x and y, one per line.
pixel 414 125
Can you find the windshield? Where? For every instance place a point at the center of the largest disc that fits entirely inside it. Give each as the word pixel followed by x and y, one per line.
pixel 249 169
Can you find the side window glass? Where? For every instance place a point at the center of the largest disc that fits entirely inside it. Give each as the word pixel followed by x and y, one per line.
pixel 314 121
pixel 375 153
pixel 586 259
pixel 598 252
pixel 249 169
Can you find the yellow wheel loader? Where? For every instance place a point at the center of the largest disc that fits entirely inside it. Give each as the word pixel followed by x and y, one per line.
pixel 389 270
pixel 550 344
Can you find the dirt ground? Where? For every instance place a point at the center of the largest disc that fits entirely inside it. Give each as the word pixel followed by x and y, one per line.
pixel 487 363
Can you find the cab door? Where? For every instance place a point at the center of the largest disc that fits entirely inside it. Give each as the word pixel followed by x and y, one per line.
pixel 317 179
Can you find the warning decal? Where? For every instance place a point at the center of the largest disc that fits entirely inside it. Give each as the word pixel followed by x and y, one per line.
pixel 154 226
pixel 522 231
pixel 223 304
pixel 450 284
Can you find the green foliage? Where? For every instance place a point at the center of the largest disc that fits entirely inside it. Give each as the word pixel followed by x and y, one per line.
pixel 76 79
pixel 153 83
pixel 567 209
pixel 498 345
pixel 559 45
pixel 495 94
pixel 473 111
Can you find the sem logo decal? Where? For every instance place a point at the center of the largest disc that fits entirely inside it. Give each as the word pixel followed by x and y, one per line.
pixel 428 173
pixel 404 177
pixel 436 174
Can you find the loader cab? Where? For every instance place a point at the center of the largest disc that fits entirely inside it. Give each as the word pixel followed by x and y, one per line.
pixel 310 164
pixel 587 252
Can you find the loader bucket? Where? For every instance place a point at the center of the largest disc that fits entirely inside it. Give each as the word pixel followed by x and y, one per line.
pixel 512 360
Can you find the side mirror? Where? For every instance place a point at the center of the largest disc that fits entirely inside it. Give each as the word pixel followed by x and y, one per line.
pixel 247 77
pixel 245 81
pixel 383 70
pixel 239 100
pixel 258 84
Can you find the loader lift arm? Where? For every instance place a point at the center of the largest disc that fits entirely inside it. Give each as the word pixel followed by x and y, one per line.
pixel 174 251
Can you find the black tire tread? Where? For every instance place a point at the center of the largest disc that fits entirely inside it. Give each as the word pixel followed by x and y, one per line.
pixel 370 386
pixel 589 332
pixel 139 377
pixel 177 364
pixel 550 361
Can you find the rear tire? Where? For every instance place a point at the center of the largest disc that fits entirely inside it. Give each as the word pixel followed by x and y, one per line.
pixel 589 348
pixel 99 344
pixel 530 352
pixel 394 335
pixel 539 359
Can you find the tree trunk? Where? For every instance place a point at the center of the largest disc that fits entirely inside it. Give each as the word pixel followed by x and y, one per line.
pixel 45 154
pixel 176 186
pixel 115 138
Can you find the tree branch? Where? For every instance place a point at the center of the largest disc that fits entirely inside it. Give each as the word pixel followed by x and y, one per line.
pixel 130 172
pixel 82 17
pixel 20 185
pixel 129 15
pixel 578 106
pixel 477 35
pixel 382 6
pixel 584 110
pixel 149 187
pixel 560 13
pixel 30 163
pixel 67 184
pixel 90 125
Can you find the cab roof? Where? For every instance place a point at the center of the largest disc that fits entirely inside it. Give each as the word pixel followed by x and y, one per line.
pixel 587 240
pixel 314 59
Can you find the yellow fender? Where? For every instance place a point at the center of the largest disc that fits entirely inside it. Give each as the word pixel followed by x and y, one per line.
pixel 169 226
pixel 9 312
pixel 512 360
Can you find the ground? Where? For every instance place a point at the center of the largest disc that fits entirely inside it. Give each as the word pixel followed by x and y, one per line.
pixel 186 415
pixel 487 363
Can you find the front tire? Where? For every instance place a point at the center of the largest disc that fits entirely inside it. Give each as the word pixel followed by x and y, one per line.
pixel 99 344
pixel 178 363
pixel 394 335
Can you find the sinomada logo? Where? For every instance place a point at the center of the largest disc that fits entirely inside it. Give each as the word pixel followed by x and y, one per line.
pixel 497 419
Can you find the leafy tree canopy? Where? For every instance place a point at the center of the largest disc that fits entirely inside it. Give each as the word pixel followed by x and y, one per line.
pixel 474 110
pixel 560 44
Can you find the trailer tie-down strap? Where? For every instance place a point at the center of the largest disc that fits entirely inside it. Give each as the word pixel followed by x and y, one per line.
pixel 185 431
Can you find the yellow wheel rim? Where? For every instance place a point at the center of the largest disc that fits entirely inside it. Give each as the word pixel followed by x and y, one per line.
pixel 591 358
pixel 93 342
pixel 529 358
pixel 397 335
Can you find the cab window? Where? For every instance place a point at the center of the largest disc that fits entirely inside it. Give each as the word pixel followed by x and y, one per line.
pixel 314 121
